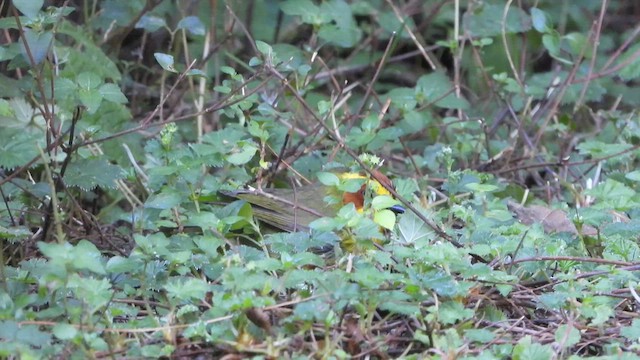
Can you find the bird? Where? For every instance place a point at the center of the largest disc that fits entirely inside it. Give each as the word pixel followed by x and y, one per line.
pixel 296 208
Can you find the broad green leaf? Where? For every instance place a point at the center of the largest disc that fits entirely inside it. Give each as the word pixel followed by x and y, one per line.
pixel 166 199
pixel 64 331
pixel 193 25
pixel 567 336
pixel 88 80
pixel 475 187
pixel 412 230
pixel 631 332
pixel 539 20
pixel 87 174
pixel 264 48
pixel 438 89
pixel 328 178
pixel 150 23
pixel 30 8
pixel 39 44
pixel 631 70
pixel 487 21
pixel 385 218
pixel 87 57
pixel 91 98
pixel 17 147
pixel 111 92
pixel 242 153
pixel 383 202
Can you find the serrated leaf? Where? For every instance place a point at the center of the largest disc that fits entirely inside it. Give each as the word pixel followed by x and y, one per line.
pixel 88 174
pixel 91 98
pixel 14 232
pixel 88 80
pixel 90 57
pixel 17 147
pixel 487 21
pixel 111 92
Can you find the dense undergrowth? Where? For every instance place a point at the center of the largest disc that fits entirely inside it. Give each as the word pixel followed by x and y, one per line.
pixel 509 128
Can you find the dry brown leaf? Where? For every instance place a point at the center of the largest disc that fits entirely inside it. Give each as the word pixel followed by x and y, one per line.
pixel 552 220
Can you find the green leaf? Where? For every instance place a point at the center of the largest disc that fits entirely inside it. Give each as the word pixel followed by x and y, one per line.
pixel 633 176
pixel 91 99
pixel 119 264
pixel 437 88
pixel 567 336
pixel 632 332
pixel 166 61
pixel 193 25
pixel 309 12
pixel 242 153
pixel 264 48
pixel 17 147
pixel 578 45
pixel 413 230
pixel 228 70
pixel 88 80
pixel 328 178
pixel 598 149
pixel 187 289
pixel 631 70
pixel 479 335
pixel 451 312
pixel 343 31
pixel 111 92
pixel 403 98
pixel 204 220
pixel 83 256
pixel 39 44
pixel 526 350
pixel 383 202
pixel 150 23
pixel 166 199
pixel 539 20
pixel 87 56
pixel 385 218
pixel 64 331
pixel 481 188
pixel 88 174
pixel 552 42
pixel 487 21
pixel 30 8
